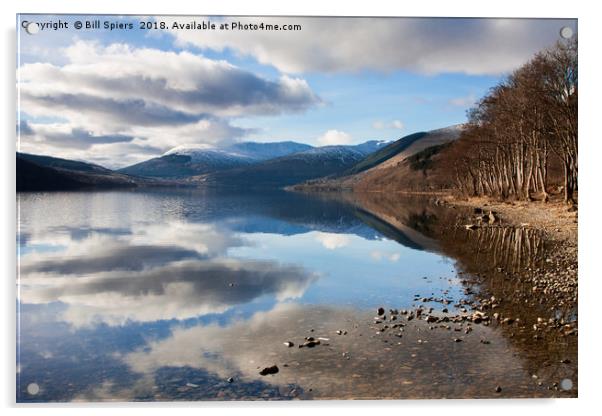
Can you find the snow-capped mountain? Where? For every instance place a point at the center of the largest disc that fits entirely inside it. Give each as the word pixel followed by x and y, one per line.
pixel 265 151
pixel 240 151
pixel 294 168
pixel 185 161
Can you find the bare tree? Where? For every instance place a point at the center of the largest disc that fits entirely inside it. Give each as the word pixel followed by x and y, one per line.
pixel 512 132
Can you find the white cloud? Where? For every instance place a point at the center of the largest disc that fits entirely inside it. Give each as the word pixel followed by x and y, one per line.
pixel 325 44
pixel 334 137
pixel 396 124
pixel 379 255
pixel 161 98
pixel 332 241
pixel 157 86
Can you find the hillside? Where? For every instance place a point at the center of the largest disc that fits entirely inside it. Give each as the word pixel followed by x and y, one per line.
pixel 46 173
pixel 32 177
pixel 407 163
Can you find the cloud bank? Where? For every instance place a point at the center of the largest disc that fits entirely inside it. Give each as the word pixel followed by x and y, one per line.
pixel 423 45
pixel 148 97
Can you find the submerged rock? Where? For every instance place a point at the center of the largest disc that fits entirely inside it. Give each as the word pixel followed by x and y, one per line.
pixel 310 342
pixel 269 370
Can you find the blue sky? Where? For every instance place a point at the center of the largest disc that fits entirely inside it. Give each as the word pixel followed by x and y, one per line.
pixel 122 96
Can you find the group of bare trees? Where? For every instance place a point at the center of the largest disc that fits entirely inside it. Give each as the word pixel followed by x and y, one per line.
pixel 523 130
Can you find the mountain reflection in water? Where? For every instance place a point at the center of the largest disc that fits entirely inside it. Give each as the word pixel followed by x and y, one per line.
pixel 186 295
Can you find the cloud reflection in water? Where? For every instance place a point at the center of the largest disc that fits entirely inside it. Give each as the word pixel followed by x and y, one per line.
pixel 158 272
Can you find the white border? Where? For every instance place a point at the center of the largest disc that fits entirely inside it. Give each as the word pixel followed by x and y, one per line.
pixel 589 123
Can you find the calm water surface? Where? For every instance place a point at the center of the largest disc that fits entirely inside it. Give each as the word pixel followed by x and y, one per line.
pixel 187 295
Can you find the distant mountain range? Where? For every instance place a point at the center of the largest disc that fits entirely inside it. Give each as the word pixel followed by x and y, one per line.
pixel 182 162
pixel 249 165
pixel 291 169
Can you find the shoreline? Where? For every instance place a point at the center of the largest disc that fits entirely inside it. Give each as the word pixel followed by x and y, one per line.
pixel 557 219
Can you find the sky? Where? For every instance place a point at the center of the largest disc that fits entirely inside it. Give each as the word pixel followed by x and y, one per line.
pixel 123 95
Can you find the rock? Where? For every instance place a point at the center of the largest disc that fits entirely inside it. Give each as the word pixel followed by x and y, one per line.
pixel 269 370
pixel 457 340
pixel 289 344
pixel 310 343
pixel 230 380
pixel 380 311
pixel 431 319
pixel 498 389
